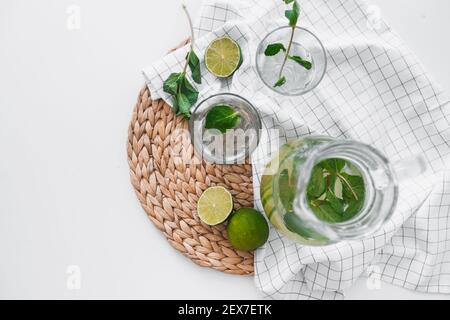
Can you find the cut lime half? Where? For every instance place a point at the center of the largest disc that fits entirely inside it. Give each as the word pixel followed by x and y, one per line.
pixel 215 205
pixel 223 57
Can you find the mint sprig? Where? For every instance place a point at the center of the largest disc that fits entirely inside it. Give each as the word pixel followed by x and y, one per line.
pixel 184 94
pixel 274 48
pixel 293 14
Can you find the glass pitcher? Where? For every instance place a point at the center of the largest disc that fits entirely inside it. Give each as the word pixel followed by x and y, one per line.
pixel 284 185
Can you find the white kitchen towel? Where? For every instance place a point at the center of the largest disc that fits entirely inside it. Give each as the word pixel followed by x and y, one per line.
pixel 375 91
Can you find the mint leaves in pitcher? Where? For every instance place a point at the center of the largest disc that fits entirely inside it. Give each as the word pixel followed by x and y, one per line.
pixel 336 190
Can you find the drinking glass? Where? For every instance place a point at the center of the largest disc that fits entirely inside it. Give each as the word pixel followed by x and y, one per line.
pixel 234 146
pixel 298 79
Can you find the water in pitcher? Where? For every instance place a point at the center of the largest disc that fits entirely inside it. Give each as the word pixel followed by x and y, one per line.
pixel 319 190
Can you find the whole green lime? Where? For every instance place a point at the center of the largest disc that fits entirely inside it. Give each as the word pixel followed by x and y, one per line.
pixel 247 229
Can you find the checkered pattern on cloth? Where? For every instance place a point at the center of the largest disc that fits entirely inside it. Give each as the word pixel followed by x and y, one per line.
pixel 375 91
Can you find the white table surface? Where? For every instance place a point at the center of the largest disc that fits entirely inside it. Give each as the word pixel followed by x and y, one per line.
pixel 66 98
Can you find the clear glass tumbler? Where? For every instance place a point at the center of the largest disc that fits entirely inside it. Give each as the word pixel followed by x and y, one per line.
pixel 298 79
pixel 234 146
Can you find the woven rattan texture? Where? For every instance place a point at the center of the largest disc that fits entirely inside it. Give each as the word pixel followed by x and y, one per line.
pixel 168 185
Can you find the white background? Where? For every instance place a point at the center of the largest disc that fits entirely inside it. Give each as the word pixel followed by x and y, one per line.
pixel 65 103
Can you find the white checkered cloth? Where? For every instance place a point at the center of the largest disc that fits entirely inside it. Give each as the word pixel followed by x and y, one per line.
pixel 375 91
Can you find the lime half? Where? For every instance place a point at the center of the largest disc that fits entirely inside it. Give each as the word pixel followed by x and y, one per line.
pixel 223 57
pixel 215 205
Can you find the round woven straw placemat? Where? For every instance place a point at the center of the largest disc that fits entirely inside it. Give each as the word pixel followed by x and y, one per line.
pixel 168 186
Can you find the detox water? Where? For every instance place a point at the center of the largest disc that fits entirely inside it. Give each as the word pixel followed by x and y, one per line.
pixel 335 192
pixel 297 77
pixel 235 145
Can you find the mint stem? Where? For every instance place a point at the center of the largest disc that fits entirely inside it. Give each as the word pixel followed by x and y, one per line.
pixel 286 55
pixel 192 37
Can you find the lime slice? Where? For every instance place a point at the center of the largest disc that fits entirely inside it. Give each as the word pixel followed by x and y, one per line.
pixel 214 205
pixel 223 57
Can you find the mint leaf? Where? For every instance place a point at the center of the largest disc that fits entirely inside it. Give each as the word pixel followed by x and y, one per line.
pixel 222 118
pixel 333 165
pixel 316 184
pixel 184 105
pixel 273 48
pixel 175 107
pixel 293 14
pixel 288 1
pixel 190 92
pixel 353 208
pixel 352 187
pixel 171 84
pixel 331 181
pixel 184 94
pixel 296 225
pixel 336 203
pixel 286 190
pixel 304 63
pixel 325 212
pixel 194 65
pixel 280 82
pixel 297 162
